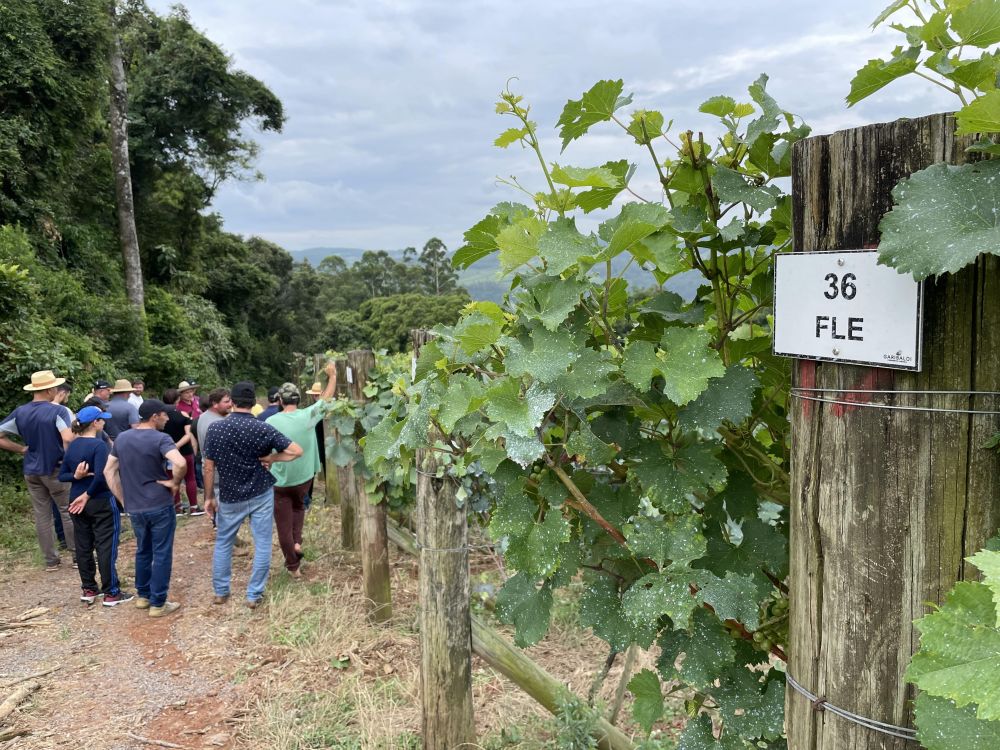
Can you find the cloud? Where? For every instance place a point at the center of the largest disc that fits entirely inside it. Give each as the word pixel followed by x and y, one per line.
pixel 390 102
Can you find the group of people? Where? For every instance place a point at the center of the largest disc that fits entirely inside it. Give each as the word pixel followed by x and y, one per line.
pixel 122 452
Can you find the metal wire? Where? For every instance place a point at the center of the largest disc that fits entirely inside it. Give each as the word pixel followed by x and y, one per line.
pixel 883 390
pixel 821 704
pixel 467 547
pixel 893 407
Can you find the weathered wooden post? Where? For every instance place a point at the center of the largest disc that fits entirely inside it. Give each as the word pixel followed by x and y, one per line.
pixel 350 533
pixel 445 625
pixel 371 516
pixel 885 503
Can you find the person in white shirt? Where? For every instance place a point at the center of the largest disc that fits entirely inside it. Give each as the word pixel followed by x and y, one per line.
pixel 135 398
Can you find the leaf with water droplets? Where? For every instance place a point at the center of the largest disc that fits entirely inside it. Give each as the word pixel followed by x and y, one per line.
pixel 727 399
pixel 944 218
pixel 706 647
pixel 527 607
pixel 601 610
pixel 750 706
pixel 941 725
pixel 648 705
pixel 664 593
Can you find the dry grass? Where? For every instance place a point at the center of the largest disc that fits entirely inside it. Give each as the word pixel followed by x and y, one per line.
pixel 346 684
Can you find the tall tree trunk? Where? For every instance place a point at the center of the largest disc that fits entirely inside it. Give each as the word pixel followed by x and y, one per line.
pixel 128 238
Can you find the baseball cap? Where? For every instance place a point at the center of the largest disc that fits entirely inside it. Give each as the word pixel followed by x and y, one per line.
pixel 99 384
pixel 243 390
pixel 149 407
pixel 289 392
pixel 88 414
pixel 272 393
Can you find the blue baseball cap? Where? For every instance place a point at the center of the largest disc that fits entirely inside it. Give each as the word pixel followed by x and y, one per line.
pixel 88 414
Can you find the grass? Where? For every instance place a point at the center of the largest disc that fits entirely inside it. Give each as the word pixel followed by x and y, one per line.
pixel 17 526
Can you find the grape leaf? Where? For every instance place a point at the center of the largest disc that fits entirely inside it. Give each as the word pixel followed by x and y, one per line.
pixel 732 188
pixel 587 447
pixel 664 593
pixel 550 355
pixel 749 707
pixel 477 331
pixel 518 242
pixel 552 300
pixel 480 241
pixel 537 554
pixel 892 9
pixel 720 106
pixel 514 514
pixel 878 73
pixel 678 540
pixel 988 561
pixel 509 136
pixel 597 105
pixel 464 395
pixel 600 197
pixel 687 363
pixel 941 725
pixel 980 116
pixel 669 477
pixel 733 598
pixel 707 648
pixel 635 222
pixel 944 217
pixel 978 23
pixel 382 441
pixel 770 111
pixel 640 364
pixel 601 611
pixel 562 246
pixel 584 177
pixel 588 377
pixel 727 399
pixel 523 449
pixel 645 126
pixel 697 735
pixel 648 705
pixel 763 548
pixel 525 606
pixel 521 413
pixel 959 656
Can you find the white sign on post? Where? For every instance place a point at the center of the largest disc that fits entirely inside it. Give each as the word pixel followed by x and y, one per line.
pixel 842 306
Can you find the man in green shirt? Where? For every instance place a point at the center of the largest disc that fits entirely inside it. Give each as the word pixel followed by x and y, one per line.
pixel 295 478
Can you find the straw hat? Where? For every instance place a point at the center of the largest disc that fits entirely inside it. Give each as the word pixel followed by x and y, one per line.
pixel 186 386
pixel 122 386
pixel 315 389
pixel 43 380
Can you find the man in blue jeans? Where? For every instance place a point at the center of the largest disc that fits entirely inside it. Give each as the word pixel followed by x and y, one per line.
pixel 243 449
pixel 137 473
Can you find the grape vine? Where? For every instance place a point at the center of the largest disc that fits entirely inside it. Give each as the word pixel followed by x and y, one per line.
pixel 637 438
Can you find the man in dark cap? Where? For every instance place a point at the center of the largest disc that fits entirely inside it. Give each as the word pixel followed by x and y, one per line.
pixel 243 449
pixel 136 474
pixel 273 407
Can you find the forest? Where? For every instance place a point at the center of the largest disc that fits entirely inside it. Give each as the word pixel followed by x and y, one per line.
pixel 218 306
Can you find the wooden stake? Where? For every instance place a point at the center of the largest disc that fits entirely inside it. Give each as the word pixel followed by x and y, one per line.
pixel 445 627
pixel 372 516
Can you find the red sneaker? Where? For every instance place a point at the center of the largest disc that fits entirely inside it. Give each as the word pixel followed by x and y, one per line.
pixel 113 600
pixel 88 596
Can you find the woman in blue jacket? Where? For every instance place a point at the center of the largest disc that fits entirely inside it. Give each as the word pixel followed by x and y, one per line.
pixel 96 519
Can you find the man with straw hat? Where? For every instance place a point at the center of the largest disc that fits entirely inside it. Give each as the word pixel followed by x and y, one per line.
pixel 46 430
pixel 124 416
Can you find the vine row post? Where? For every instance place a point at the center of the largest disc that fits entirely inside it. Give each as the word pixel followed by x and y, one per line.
pixel 371 516
pixel 445 624
pixel 349 530
pixel 885 504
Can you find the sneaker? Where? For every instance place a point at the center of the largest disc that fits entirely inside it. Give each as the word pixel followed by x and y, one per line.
pixel 113 600
pixel 88 596
pixel 141 602
pixel 165 610
pixel 254 603
pixel 74 566
pixel 196 511
pixel 178 512
pixel 220 599
pixel 53 568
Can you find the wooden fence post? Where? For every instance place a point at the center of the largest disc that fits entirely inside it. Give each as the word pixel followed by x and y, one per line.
pixel 885 505
pixel 445 625
pixel 350 533
pixel 374 537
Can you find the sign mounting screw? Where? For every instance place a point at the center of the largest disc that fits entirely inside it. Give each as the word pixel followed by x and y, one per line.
pixel 840 261
pixel 836 351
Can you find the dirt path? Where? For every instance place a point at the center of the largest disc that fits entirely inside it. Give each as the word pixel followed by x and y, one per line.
pixel 120 672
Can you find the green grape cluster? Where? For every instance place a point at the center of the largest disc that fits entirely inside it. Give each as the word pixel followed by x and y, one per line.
pixel 773 630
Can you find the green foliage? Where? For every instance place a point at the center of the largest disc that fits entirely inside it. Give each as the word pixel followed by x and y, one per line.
pixel 944 217
pixel 634 436
pixel 956 667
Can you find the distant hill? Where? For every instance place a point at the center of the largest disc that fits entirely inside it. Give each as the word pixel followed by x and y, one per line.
pixel 482 278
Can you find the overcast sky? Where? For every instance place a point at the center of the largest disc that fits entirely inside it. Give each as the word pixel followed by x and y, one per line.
pixel 390 104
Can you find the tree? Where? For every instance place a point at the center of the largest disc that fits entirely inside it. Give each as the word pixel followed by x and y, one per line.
pixel 127 236
pixel 439 276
